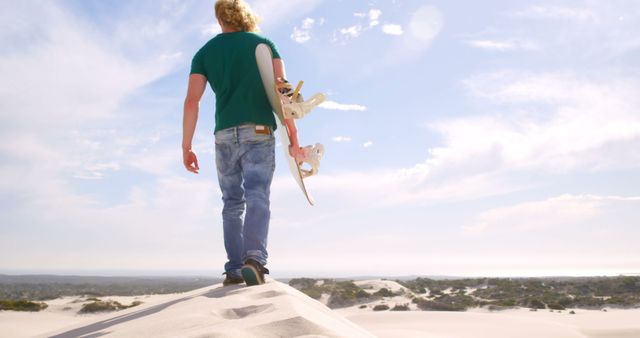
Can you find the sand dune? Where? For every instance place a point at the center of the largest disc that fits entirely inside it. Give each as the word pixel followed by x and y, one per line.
pixel 278 310
pixel 480 323
pixel 270 310
pixel 505 324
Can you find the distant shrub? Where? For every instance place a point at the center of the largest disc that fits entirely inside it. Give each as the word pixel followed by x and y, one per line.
pixel 435 292
pixel 346 293
pixel 104 306
pixel 565 301
pixel 499 308
pixel 536 304
pixel 302 283
pixel 401 307
pixel 506 302
pixel 362 294
pixel 556 306
pixel 429 305
pixel 100 306
pixel 588 302
pixel 381 307
pixel 362 306
pixel 21 305
pixel 313 292
pixel 384 292
pixel 458 300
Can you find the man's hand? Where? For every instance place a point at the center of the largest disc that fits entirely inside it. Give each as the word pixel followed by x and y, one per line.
pixel 197 84
pixel 190 160
pixel 297 153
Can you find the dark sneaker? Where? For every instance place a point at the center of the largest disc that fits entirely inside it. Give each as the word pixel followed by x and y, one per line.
pixel 253 272
pixel 232 280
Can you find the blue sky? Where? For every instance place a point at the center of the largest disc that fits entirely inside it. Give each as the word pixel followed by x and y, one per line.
pixel 462 138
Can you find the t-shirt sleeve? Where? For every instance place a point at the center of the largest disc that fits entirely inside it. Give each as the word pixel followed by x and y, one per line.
pixel 197 66
pixel 274 49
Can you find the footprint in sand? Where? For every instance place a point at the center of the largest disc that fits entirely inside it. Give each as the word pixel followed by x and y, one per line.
pixel 292 327
pixel 246 311
pixel 269 294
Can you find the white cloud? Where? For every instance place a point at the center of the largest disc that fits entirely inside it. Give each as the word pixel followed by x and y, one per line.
pixel 352 31
pixel 171 56
pixel 557 12
pixel 575 123
pixel 293 10
pixel 332 105
pixel 81 76
pixel 367 144
pixel 557 212
pixel 417 186
pixel 374 17
pixel 68 147
pixel 302 34
pixel 77 75
pixel 505 45
pixel 594 29
pixel 392 29
pixel 341 139
pixel 96 171
pixel 307 23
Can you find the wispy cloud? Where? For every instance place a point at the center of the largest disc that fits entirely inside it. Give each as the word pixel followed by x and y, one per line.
pixel 374 17
pixel 82 75
pixel 354 31
pixel 579 124
pixel 557 12
pixel 303 34
pixel 332 105
pixel 392 29
pixel 341 139
pixel 600 30
pixel 96 171
pixel 503 45
pixel 556 212
pixel 294 9
pixel 584 118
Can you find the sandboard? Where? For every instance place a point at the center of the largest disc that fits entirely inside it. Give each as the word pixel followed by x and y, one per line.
pixel 264 59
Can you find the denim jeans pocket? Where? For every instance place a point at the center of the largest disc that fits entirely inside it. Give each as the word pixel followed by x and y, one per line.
pixel 257 138
pixel 224 136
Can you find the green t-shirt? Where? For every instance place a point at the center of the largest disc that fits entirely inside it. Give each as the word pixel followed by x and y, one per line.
pixel 229 63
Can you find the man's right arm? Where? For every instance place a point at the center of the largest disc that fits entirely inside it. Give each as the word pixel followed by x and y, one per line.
pixel 197 85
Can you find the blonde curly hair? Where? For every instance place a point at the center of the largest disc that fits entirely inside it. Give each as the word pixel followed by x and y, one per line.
pixel 236 14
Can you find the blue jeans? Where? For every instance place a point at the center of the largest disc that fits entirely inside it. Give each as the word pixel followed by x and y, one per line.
pixel 245 161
